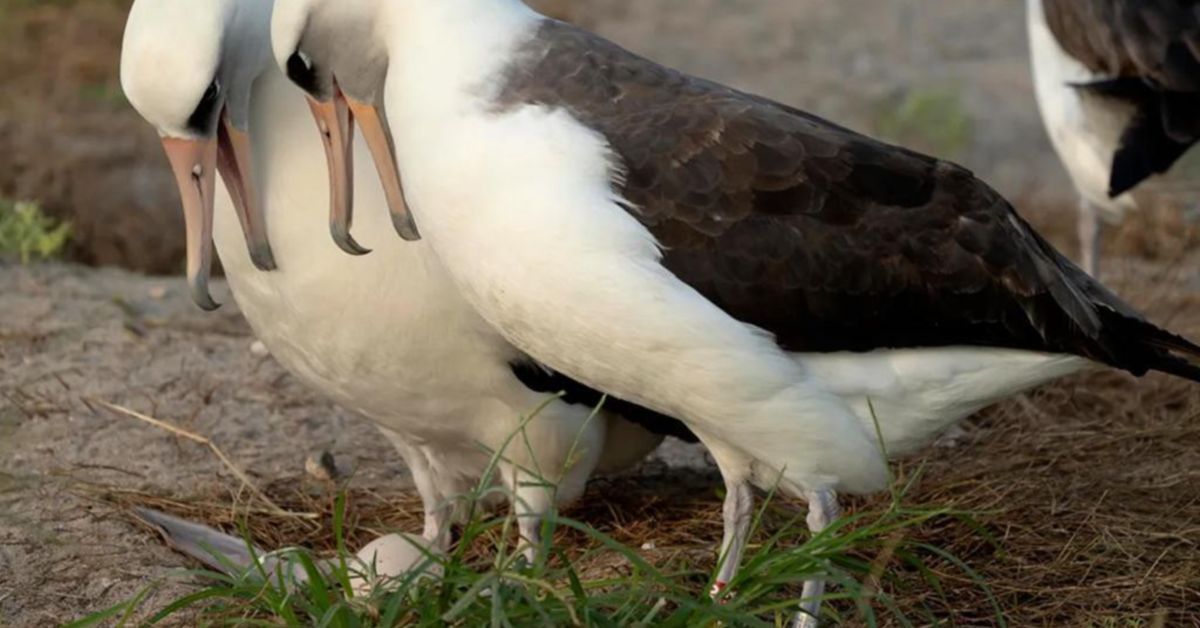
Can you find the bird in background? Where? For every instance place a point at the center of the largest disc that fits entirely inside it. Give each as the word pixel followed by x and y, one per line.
pixel 1118 85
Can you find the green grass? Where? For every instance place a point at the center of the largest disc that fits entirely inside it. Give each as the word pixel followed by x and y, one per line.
pixel 502 590
pixel 497 586
pixel 28 234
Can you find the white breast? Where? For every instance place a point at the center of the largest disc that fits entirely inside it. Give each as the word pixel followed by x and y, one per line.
pixel 377 333
pixel 388 335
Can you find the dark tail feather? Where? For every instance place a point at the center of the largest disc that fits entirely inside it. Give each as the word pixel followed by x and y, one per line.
pixel 1138 346
pixel 1164 126
pixel 1181 116
pixel 1146 149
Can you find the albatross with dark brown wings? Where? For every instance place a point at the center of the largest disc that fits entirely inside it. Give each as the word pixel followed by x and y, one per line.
pixel 1118 82
pixel 774 280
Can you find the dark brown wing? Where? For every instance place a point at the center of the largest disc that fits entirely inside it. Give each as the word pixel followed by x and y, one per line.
pixel 828 239
pixel 1154 40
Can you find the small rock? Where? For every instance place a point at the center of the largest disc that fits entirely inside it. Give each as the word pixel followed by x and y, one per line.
pixel 259 350
pixel 649 545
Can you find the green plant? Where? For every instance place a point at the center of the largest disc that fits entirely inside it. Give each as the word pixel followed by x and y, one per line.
pixel 858 556
pixel 928 119
pixel 29 234
pixel 499 587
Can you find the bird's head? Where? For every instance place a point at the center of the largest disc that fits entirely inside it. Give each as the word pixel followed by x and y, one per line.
pixel 188 68
pixel 334 51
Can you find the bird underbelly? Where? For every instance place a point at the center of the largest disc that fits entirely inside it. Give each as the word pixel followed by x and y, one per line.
pixel 916 394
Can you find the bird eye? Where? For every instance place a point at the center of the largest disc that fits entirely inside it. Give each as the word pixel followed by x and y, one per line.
pixel 299 65
pixel 301 71
pixel 204 119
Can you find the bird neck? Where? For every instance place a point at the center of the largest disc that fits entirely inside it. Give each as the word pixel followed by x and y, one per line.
pixel 246 50
pixel 452 43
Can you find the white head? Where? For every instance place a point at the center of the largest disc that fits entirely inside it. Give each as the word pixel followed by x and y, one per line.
pixel 344 35
pixel 188 67
pixel 335 51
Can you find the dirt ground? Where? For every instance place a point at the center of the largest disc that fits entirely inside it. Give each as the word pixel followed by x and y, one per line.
pixel 1091 488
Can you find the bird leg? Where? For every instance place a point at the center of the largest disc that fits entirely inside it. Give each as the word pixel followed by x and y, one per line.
pixel 737 510
pixel 532 498
pixel 437 511
pixel 822 511
pixel 1089 236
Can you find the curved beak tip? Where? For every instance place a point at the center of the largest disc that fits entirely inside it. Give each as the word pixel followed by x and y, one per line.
pixel 202 298
pixel 346 242
pixel 406 227
pixel 263 258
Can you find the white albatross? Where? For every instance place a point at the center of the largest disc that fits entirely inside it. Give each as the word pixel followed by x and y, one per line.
pixel 1118 84
pixel 758 272
pixel 386 335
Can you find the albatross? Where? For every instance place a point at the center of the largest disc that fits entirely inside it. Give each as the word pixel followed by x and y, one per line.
pixel 385 335
pixel 1118 84
pixel 772 279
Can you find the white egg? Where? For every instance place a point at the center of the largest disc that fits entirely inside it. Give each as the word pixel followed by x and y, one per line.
pixel 390 557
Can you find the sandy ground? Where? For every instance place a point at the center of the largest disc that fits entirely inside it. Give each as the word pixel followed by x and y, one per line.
pixel 70 335
pixel 1091 486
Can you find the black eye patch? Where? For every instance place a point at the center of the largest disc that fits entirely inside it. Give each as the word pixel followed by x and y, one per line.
pixel 204 119
pixel 302 72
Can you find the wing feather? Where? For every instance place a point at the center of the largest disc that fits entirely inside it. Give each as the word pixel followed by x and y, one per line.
pixel 828 239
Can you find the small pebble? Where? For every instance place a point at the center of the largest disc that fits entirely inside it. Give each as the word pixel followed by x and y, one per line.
pixel 259 350
pixel 649 545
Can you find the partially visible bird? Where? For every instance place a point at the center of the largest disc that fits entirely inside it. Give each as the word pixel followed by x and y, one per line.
pixel 1118 84
pixel 803 297
pixel 386 335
